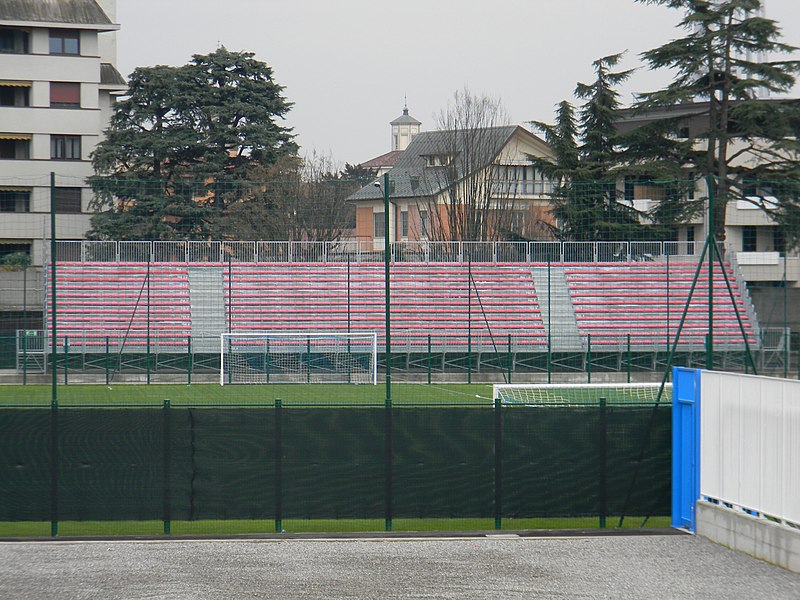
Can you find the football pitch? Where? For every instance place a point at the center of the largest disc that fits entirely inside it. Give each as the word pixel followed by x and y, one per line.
pixel 199 394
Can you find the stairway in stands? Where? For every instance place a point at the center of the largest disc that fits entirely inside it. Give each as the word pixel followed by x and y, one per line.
pixel 562 323
pixel 206 297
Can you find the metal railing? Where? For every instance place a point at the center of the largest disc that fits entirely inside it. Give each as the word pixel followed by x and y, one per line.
pixel 85 251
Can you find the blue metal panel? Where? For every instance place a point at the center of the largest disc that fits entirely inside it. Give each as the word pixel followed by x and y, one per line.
pixel 685 446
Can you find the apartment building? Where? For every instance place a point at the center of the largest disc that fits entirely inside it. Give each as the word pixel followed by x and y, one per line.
pixel 57 85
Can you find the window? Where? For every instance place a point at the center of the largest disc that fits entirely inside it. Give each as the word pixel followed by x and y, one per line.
pixel 68 200
pixel 65 41
pixel 404 223
pixel 749 237
pixel 65 95
pixel 15 146
pixel 778 240
pixel 14 94
pixel 423 224
pixel 65 147
pixel 15 201
pixel 378 225
pixel 13 41
pixel 12 248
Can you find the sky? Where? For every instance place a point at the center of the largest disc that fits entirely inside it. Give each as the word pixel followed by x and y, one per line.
pixel 349 65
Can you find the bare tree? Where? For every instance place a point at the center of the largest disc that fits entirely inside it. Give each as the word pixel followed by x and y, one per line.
pixel 298 199
pixel 474 198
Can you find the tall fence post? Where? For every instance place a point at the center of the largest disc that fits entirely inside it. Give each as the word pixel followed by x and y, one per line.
pixel 167 516
pixel 106 362
pixel 498 464
pixel 188 360
pixel 278 466
pixel 510 358
pixel 589 358
pixel 66 360
pixel 54 468
pixel 429 359
pixel 602 463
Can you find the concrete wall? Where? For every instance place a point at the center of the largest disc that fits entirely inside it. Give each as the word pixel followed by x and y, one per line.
pixel 757 537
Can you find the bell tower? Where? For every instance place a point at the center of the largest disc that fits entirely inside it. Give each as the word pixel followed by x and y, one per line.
pixel 404 128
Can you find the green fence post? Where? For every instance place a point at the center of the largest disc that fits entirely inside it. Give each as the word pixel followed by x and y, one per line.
pixel 602 463
pixel 498 464
pixel 308 360
pixel 167 446
pixel 24 355
pixel 189 359
pixel 629 356
pixel 388 464
pixel 278 466
pixel 54 468
pixel 105 361
pixel 469 320
pixel 429 359
pixel 589 358
pixel 510 358
pixel 268 360
pixel 66 360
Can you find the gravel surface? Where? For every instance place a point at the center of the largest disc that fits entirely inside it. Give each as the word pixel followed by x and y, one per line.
pixel 597 567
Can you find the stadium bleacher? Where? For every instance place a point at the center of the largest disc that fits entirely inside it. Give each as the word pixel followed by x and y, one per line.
pixel 609 300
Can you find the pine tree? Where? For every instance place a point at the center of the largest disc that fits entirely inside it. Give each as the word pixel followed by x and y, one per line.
pixel 746 137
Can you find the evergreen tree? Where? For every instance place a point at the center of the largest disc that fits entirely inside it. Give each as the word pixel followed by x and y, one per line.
pixel 586 202
pixel 745 137
pixel 183 145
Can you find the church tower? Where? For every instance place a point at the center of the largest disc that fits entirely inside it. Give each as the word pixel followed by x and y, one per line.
pixel 404 128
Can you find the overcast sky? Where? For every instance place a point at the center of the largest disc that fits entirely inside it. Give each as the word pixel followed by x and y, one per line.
pixel 348 64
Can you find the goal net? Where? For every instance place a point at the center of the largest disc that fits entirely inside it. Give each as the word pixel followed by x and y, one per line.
pixel 622 394
pixel 298 358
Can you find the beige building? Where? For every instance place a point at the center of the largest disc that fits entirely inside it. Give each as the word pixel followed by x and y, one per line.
pixel 57 85
pixel 442 175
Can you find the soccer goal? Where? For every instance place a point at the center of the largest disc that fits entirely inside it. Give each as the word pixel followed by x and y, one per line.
pixel 298 358
pixel 581 394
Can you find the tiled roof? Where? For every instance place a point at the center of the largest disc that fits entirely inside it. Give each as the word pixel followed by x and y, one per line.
pixel 384 160
pixel 110 76
pixel 412 178
pixel 79 12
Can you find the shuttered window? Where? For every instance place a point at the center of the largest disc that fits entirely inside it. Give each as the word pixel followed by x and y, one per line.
pixel 65 94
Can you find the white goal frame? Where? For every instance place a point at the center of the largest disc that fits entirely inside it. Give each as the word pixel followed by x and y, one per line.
pixel 371 337
pixel 499 387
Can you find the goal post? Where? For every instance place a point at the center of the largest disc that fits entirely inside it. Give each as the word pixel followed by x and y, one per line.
pixel 581 394
pixel 298 357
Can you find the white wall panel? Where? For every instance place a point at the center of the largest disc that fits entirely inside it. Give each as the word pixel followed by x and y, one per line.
pixel 750 443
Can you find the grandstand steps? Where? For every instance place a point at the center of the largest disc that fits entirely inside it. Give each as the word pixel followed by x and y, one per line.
pixel 562 323
pixel 206 299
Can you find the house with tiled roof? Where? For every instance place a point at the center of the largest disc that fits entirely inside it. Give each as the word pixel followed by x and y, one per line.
pixel 486 175
pixel 404 129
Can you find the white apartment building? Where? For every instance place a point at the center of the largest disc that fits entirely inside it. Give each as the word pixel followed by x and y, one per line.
pixel 57 85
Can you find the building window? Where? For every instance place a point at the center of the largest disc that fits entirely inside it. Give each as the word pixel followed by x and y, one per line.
pixel 15 147
pixel 15 201
pixel 65 147
pixel 749 237
pixel 14 41
pixel 378 225
pixel 65 41
pixel 14 94
pixel 7 248
pixel 423 224
pixel 65 95
pixel 778 240
pixel 404 223
pixel 68 200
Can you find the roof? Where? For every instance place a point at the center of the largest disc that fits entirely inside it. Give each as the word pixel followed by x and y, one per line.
pixel 110 76
pixel 412 178
pixel 68 12
pixel 405 119
pixel 384 160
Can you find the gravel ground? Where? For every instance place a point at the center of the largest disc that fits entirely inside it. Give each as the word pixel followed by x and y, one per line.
pixel 671 567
